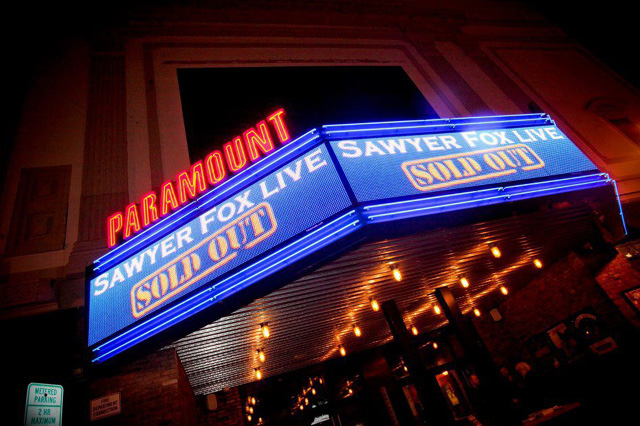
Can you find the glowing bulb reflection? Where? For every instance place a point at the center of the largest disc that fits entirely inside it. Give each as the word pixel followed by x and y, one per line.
pixel 374 305
pixel 464 282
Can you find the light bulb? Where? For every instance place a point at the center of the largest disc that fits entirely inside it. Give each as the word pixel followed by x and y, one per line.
pixel 445 373
pixel 251 410
pixel 357 331
pixel 495 251
pixel 265 330
pixel 464 282
pixel 249 417
pixel 504 290
pixel 301 407
pixel 395 270
pixel 435 345
pixel 253 400
pixel 258 374
pixel 343 351
pixel 537 263
pixel 374 305
pixel 313 391
pixel 414 330
pixel 350 391
pixel 437 309
pixel 261 355
pixel 476 312
pixel 306 401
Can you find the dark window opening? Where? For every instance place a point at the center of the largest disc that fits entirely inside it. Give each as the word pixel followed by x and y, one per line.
pixel 220 103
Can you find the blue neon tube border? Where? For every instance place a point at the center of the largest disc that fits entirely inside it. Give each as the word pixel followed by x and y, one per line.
pixel 280 156
pixel 298 251
pixel 284 154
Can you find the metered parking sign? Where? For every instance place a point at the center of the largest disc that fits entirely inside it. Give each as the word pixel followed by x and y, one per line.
pixel 44 404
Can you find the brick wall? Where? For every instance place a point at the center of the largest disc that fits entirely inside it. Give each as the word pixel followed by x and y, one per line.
pixel 616 277
pixel 228 413
pixel 153 391
pixel 558 292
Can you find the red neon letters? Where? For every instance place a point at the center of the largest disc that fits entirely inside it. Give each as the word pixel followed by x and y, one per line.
pixel 203 175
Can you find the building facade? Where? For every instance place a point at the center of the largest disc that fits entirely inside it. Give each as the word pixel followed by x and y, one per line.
pixel 102 124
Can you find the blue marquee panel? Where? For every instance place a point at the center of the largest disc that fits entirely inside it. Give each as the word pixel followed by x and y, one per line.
pixel 296 201
pixel 426 164
pixel 285 203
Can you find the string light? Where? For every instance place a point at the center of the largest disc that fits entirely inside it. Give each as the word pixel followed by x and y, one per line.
pixel 495 251
pixel 261 355
pixel 343 351
pixel 435 345
pixel 476 312
pixel 258 373
pixel 249 417
pixel 253 400
pixel 537 263
pixel 465 282
pixel 437 309
pixel 504 290
pixel 395 270
pixel 313 391
pixel 414 330
pixel 251 410
pixel 306 401
pixel 357 331
pixel 265 330
pixel 374 304
pixel 301 407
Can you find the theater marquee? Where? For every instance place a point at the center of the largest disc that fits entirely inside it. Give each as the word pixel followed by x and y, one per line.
pixel 310 193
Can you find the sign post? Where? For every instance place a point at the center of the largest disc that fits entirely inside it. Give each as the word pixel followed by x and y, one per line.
pixel 44 404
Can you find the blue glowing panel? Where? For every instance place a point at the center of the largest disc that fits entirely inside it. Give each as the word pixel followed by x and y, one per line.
pixel 387 167
pixel 284 204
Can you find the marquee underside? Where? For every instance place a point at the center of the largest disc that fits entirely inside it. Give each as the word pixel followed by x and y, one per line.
pixel 311 316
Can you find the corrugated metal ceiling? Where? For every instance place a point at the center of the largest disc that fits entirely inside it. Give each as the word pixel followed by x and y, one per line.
pixel 310 317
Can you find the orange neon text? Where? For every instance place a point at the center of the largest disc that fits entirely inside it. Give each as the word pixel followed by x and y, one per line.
pixel 255 143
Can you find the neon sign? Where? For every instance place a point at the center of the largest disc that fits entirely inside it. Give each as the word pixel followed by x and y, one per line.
pixel 202 176
pixel 338 182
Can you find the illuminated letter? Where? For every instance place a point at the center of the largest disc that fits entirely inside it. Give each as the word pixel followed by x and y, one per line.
pixel 193 184
pixel 114 225
pixel 255 141
pixel 234 151
pixel 132 220
pixel 149 208
pixel 215 167
pixel 143 297
pixel 168 198
pixel 278 123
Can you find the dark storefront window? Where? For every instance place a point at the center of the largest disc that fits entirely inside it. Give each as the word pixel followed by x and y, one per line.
pixel 217 103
